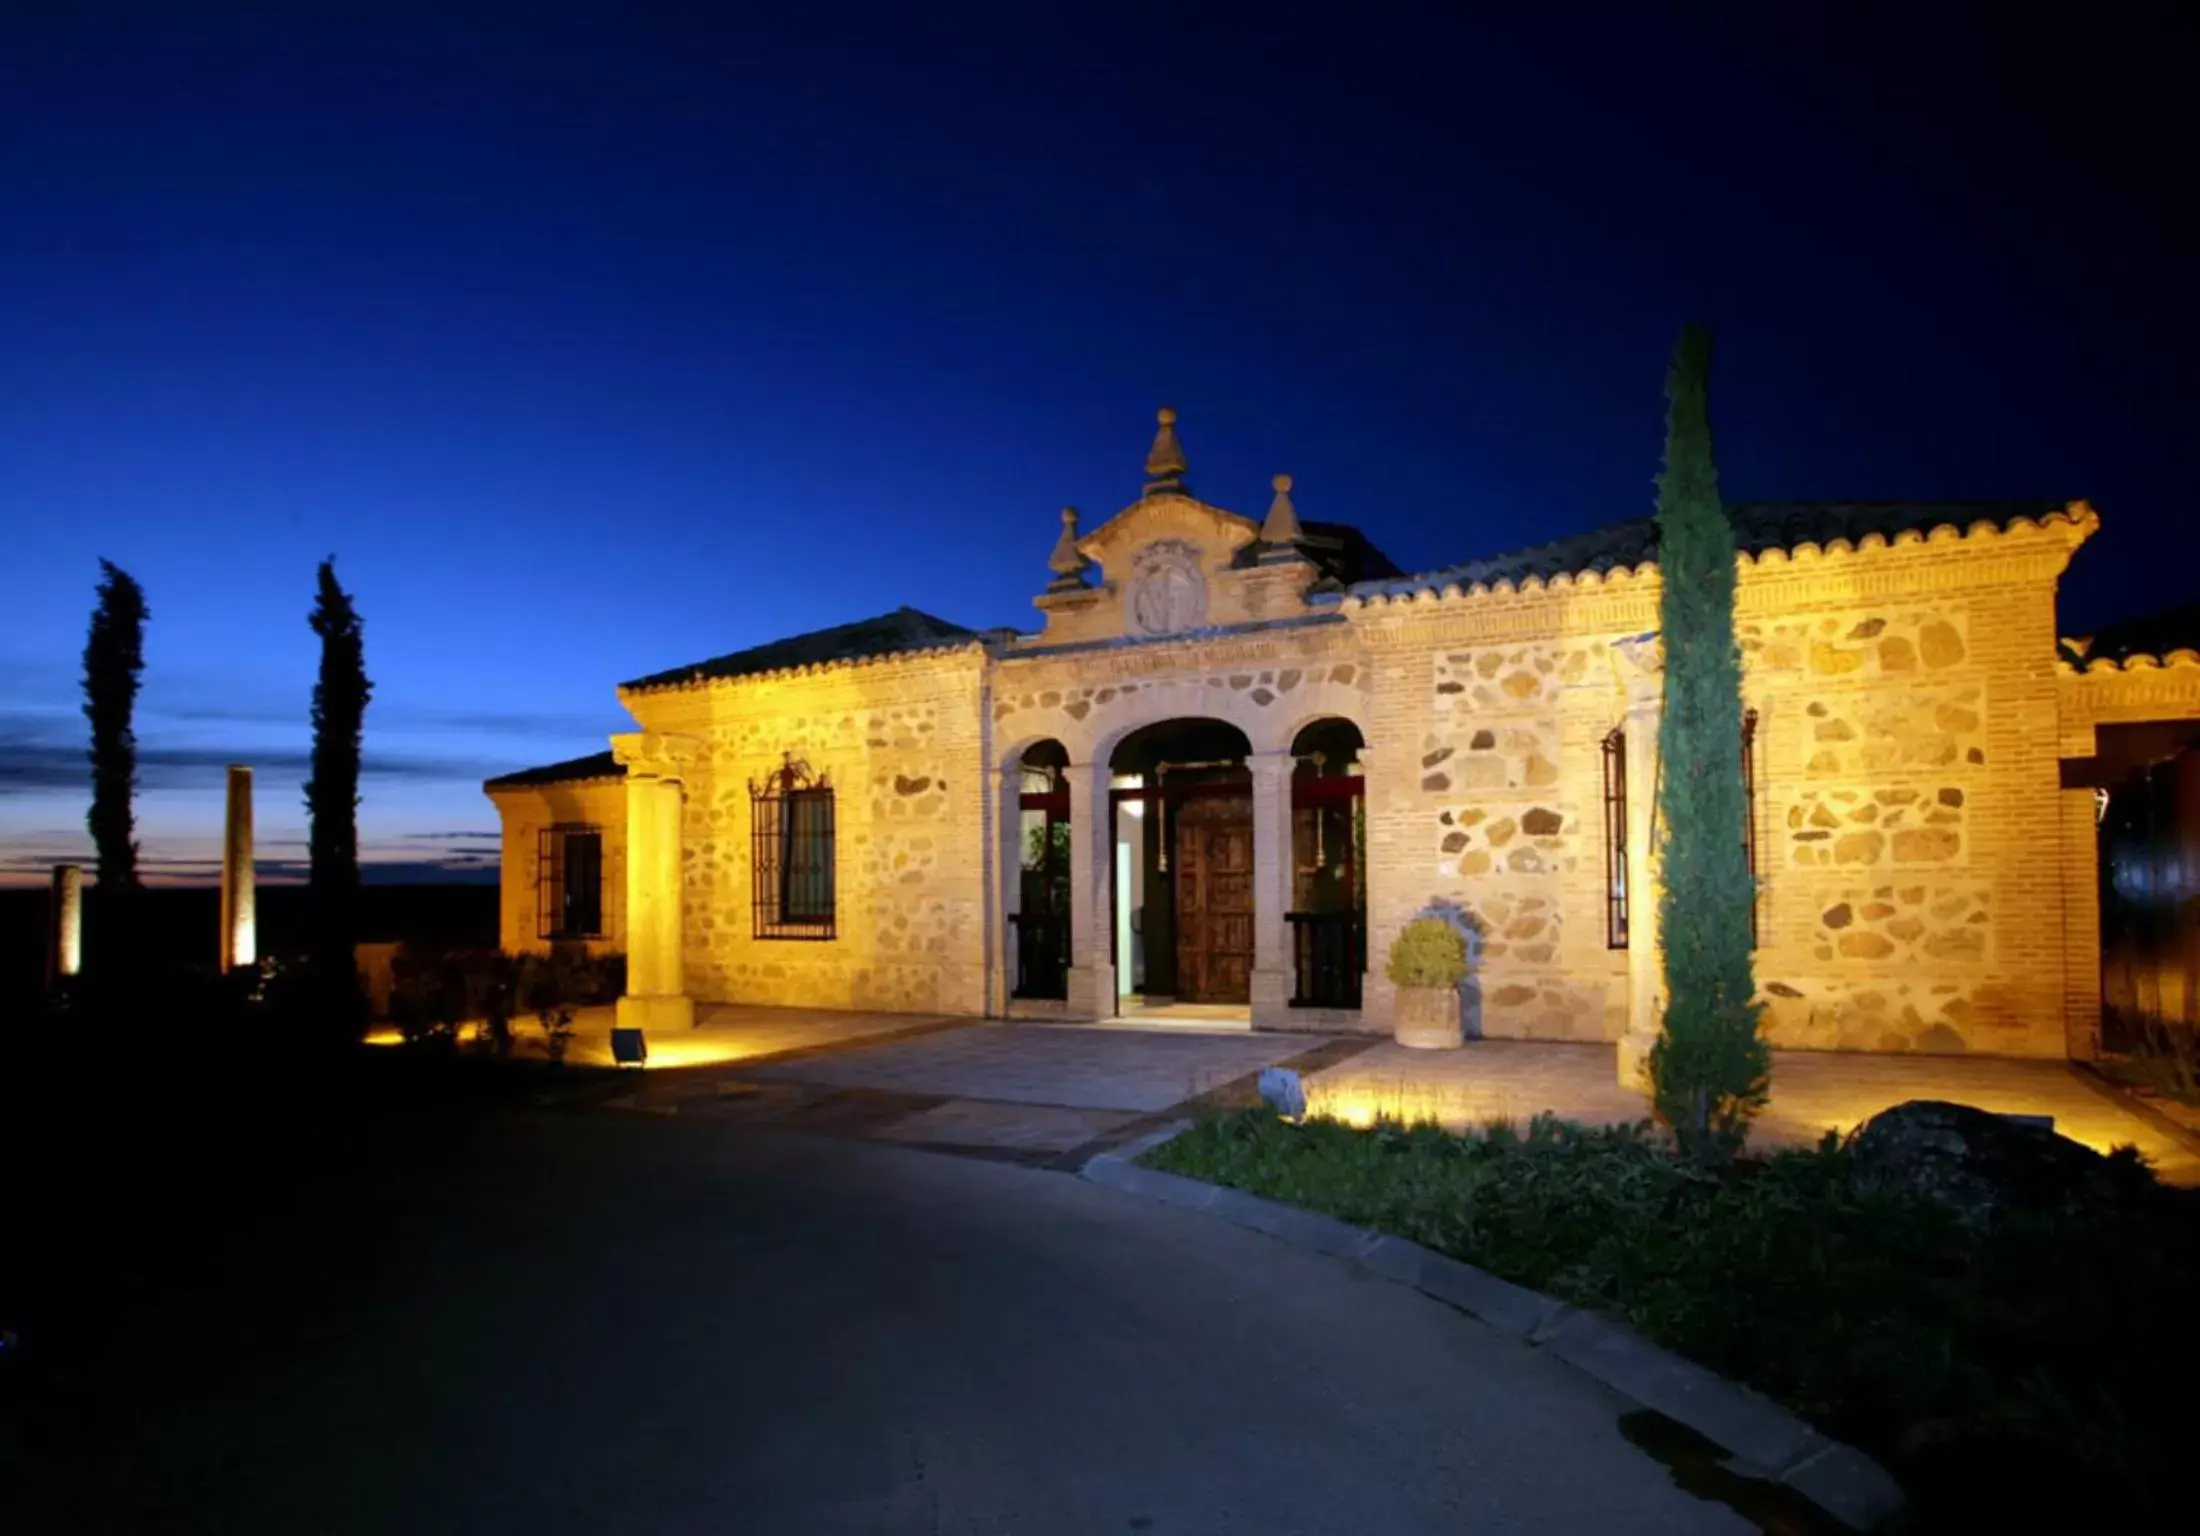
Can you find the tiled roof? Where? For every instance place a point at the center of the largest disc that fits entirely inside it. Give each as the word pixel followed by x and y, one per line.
pixel 597 765
pixel 1345 554
pixel 905 629
pixel 2153 637
pixel 1758 526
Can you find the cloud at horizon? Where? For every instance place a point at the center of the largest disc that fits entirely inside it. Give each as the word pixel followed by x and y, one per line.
pixel 421 765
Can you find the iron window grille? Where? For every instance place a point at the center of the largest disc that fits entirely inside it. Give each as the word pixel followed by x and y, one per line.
pixel 1615 829
pixel 1615 838
pixel 569 882
pixel 791 846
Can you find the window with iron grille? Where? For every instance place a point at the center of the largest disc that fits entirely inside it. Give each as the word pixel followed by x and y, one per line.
pixel 791 853
pixel 1615 839
pixel 1615 828
pixel 569 882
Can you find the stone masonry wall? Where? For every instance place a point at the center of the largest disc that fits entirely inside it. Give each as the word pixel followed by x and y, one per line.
pixel 524 813
pixel 1910 828
pixel 900 743
pixel 1485 801
pixel 1909 817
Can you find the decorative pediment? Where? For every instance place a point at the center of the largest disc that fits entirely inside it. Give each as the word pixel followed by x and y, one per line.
pixel 1217 534
pixel 1163 556
pixel 1170 563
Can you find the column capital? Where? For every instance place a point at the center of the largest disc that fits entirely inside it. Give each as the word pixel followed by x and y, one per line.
pixel 1271 761
pixel 655 754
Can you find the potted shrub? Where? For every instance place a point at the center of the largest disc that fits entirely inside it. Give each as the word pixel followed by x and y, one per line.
pixel 1428 960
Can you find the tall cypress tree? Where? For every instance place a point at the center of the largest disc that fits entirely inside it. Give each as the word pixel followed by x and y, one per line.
pixel 1708 1068
pixel 332 794
pixel 114 656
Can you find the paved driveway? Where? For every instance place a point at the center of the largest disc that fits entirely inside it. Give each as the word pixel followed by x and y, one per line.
pixel 598 1323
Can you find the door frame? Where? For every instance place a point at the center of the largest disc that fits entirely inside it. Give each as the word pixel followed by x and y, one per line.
pixel 1167 797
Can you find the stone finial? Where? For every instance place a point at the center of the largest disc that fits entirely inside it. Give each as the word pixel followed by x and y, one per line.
pixel 1165 459
pixel 1282 526
pixel 1067 563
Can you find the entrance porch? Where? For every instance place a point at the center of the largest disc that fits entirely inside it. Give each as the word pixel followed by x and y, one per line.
pixel 1227 887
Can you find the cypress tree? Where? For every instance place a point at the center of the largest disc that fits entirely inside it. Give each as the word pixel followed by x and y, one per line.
pixel 340 697
pixel 1709 1069
pixel 114 656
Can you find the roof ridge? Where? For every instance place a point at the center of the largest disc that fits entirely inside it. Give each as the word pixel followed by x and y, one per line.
pixel 898 631
pixel 1762 527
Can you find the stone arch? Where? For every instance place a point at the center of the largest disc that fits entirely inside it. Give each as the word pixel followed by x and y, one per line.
pixel 1011 756
pixel 1206 725
pixel 1174 699
pixel 1030 963
pixel 1269 699
pixel 1300 738
pixel 1316 699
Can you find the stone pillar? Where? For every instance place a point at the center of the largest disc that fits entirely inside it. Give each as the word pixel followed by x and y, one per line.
pixel 1272 980
pixel 1004 788
pixel 1378 997
pixel 1642 667
pixel 656 972
pixel 1091 881
pixel 239 937
pixel 65 951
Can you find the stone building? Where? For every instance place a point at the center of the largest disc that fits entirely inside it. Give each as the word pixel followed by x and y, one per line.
pixel 1241 753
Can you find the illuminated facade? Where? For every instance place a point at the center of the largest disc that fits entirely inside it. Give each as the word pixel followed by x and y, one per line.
pixel 1241 753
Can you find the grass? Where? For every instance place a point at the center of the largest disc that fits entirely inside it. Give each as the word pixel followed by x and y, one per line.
pixel 2040 1367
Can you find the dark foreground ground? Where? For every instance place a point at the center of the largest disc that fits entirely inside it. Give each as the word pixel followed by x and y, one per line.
pixel 473 1316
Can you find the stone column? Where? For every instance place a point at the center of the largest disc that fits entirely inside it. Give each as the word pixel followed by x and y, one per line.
pixel 1004 787
pixel 1091 880
pixel 1272 981
pixel 65 953
pixel 1642 668
pixel 239 938
pixel 1388 909
pixel 656 973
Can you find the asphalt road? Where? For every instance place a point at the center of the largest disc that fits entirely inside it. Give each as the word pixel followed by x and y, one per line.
pixel 537 1322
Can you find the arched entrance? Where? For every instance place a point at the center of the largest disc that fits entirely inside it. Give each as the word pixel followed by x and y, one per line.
pixel 1039 923
pixel 1180 795
pixel 1328 915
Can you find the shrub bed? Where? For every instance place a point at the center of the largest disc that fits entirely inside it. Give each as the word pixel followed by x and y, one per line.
pixel 2035 1368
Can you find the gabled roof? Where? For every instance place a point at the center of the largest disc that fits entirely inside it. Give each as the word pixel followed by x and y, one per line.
pixel 905 629
pixel 574 770
pixel 1759 526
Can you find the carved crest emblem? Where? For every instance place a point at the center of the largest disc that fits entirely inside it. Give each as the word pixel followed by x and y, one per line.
pixel 1167 591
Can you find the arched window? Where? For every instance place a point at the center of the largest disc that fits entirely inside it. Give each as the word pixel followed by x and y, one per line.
pixel 1328 915
pixel 1040 924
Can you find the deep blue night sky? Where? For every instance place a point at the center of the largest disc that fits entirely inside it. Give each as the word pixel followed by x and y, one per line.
pixel 592 343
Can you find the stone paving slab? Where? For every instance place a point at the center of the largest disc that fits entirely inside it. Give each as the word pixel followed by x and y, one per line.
pixel 1812 1092
pixel 1086 1067
pixel 725 1033
pixel 1024 1127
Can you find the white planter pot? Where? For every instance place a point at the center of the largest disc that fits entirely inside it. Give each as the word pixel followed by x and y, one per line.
pixel 1428 1018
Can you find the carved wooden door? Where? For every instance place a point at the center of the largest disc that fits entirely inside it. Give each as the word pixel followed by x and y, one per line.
pixel 1214 900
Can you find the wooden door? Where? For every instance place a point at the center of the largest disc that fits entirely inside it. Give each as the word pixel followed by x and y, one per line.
pixel 1214 900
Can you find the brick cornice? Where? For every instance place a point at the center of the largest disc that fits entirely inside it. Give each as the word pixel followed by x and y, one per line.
pixel 1945 560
